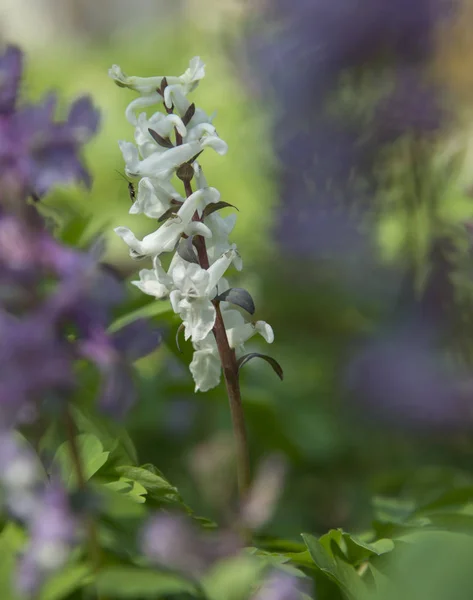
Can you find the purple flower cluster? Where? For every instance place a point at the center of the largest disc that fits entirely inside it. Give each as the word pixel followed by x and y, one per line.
pixel 173 541
pixel 280 586
pixel 350 79
pixel 56 307
pixel 37 152
pixel 53 529
pixel 328 159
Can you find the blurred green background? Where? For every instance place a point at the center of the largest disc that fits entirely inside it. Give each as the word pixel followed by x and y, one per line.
pixel 337 461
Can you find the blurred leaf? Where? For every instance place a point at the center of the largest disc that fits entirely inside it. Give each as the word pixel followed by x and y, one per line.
pixel 118 503
pixel 73 231
pixel 355 550
pixel 62 584
pixel 130 488
pixel 156 486
pixel 449 499
pixel 426 565
pixel 156 308
pixel 392 510
pixel 12 539
pixel 92 458
pixel 133 582
pixel 281 561
pixel 232 579
pixel 335 567
pixel 115 438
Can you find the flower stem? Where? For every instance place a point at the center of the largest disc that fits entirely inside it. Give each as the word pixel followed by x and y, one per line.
pixel 230 373
pixel 94 547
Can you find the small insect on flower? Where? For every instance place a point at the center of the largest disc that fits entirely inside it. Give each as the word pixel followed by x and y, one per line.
pixel 131 187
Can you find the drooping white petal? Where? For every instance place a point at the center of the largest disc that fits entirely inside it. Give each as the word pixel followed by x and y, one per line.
pixel 216 143
pixel 154 199
pixel 190 299
pixel 194 73
pixel 198 317
pixel 130 156
pixel 237 336
pixel 198 228
pixel 140 103
pixel 218 268
pixel 166 237
pixel 161 165
pixel 149 284
pixel 154 282
pixel 143 85
pixel 265 330
pixel 205 368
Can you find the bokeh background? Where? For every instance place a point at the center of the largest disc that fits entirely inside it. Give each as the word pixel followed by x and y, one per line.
pixel 349 126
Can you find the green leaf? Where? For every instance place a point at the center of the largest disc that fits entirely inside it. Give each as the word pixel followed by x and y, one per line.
pixel 154 483
pixel 115 439
pixel 281 561
pixel 133 582
pixel 233 579
pixel 92 458
pixel 335 567
pixel 152 309
pixel 130 488
pixel 353 548
pixel 119 502
pixel 12 539
pixel 65 582
pixel 450 499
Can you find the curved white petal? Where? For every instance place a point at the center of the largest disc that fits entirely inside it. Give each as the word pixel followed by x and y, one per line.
pixel 198 228
pixel 265 330
pixel 139 103
pixel 130 156
pixel 206 370
pixel 150 284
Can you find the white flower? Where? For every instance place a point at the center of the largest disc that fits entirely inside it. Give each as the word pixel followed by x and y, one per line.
pixel 167 236
pixel 175 93
pixel 191 298
pixel 154 197
pixel 205 366
pixel 208 136
pixel 178 87
pixel 158 165
pixel 154 282
pixel 163 125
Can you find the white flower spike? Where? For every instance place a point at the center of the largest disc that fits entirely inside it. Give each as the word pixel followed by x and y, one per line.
pixel 166 146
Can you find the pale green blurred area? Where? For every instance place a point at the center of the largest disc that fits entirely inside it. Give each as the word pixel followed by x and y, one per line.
pixel 75 66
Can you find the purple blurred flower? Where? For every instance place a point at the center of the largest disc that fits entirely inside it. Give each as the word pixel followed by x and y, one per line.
pixel 175 542
pixel 309 42
pixel 113 353
pixel 280 586
pixel 37 152
pixel 329 162
pixel 60 310
pixel 53 530
pixel 403 379
pixel 414 105
pixel 11 67
pixel 34 361
pixel 19 475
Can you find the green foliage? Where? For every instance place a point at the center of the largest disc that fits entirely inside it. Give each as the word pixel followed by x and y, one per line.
pixel 91 454
pixel 133 582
